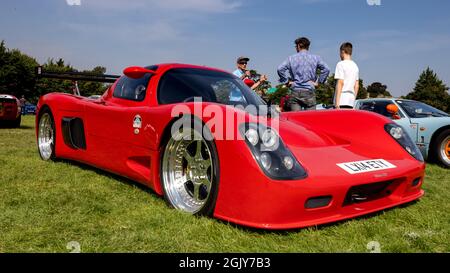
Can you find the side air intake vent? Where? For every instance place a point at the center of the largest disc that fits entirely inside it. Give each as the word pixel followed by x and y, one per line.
pixel 73 133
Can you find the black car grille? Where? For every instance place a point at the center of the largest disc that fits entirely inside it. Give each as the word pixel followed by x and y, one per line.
pixel 369 192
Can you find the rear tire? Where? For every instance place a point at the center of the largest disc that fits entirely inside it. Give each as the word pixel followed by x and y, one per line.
pixel 441 148
pixel 46 135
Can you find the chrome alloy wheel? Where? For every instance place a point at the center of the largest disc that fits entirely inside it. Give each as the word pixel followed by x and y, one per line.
pixel 46 136
pixel 187 171
pixel 445 150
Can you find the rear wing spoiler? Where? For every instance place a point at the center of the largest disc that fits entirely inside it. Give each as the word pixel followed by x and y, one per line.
pixel 75 76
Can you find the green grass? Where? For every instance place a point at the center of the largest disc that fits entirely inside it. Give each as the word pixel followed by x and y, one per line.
pixel 46 205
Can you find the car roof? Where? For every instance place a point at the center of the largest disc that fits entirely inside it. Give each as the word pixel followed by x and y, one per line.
pixel 381 99
pixel 167 66
pixel 5 96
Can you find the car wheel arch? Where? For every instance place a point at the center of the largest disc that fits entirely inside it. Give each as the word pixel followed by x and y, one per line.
pixel 167 130
pixel 39 113
pixel 44 107
pixel 433 141
pixel 437 133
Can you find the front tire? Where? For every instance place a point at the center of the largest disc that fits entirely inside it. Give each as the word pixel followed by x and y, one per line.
pixel 16 123
pixel 190 170
pixel 46 135
pixel 442 148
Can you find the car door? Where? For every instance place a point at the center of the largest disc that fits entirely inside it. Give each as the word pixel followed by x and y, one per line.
pixel 115 124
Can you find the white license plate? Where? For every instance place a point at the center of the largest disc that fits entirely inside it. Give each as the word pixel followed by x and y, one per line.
pixel 366 166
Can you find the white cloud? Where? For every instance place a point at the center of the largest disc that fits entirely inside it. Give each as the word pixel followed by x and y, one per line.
pixel 73 2
pixel 165 20
pixel 158 31
pixel 214 6
pixel 316 1
pixel 200 5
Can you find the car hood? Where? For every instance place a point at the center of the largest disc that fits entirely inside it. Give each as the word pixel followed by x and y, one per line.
pixel 322 139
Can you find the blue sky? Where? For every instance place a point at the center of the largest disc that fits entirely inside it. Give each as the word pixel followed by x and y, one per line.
pixel 393 42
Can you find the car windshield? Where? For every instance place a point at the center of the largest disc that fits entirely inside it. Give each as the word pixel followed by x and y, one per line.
pixel 378 106
pixel 416 109
pixel 184 84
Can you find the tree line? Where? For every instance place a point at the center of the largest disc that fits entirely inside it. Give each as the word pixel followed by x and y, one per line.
pixel 17 77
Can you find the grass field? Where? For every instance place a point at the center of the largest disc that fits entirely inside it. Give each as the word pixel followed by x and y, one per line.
pixel 44 206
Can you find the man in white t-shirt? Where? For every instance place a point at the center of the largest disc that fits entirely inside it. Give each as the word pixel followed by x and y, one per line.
pixel 347 76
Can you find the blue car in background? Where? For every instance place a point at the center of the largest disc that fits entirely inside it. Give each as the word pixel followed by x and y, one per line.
pixel 427 126
pixel 29 109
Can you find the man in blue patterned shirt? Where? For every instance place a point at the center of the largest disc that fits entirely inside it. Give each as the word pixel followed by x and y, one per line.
pixel 299 72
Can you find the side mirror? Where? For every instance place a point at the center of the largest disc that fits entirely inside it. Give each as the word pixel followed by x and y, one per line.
pixel 249 82
pixel 393 110
pixel 137 72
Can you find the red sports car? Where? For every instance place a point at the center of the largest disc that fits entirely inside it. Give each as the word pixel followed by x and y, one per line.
pixel 229 155
pixel 10 111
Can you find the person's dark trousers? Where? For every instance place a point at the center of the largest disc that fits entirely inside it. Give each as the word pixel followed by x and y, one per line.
pixel 302 99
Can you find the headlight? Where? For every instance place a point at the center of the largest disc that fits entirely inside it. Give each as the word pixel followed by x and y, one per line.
pixel 269 139
pixel 288 162
pixel 266 161
pixel 252 136
pixel 398 133
pixel 273 157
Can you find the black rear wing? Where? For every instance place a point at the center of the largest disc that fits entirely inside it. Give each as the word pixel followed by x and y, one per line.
pixel 75 76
